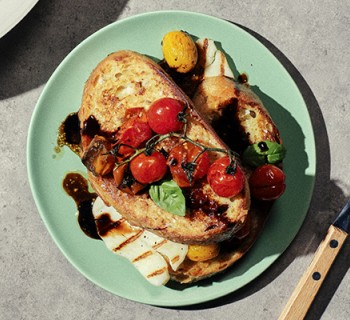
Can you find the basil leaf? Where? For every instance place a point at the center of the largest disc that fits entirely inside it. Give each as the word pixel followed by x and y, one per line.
pixel 264 152
pixel 168 196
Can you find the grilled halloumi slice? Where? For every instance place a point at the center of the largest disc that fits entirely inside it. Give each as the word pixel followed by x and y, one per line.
pixel 150 254
pixel 174 253
pixel 215 60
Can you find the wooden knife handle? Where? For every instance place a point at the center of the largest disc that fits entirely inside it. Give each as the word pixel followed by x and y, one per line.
pixel 309 284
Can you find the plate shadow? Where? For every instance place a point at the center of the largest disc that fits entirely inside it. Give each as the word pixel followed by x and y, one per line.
pixel 34 48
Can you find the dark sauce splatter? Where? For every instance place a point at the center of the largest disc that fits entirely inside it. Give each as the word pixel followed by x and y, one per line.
pixel 91 127
pixel 263 146
pixel 228 129
pixel 76 186
pixel 197 200
pixel 105 224
pixel 69 134
pixel 242 78
pixel 189 81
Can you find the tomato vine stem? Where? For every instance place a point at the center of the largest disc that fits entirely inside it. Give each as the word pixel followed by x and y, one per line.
pixel 151 144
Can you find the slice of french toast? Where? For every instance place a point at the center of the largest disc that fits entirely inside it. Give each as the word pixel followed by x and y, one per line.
pixel 126 80
pixel 232 107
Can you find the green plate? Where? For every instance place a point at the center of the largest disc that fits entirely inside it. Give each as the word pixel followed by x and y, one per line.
pixel 62 95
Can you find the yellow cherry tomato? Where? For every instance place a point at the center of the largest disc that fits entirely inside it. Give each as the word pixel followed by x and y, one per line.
pixel 180 51
pixel 203 252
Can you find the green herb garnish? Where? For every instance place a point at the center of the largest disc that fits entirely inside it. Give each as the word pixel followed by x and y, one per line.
pixel 168 196
pixel 264 152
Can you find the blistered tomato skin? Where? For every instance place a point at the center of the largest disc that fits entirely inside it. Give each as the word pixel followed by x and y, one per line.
pixel 225 184
pixel 163 115
pixel 148 168
pixel 134 131
pixel 267 182
pixel 136 134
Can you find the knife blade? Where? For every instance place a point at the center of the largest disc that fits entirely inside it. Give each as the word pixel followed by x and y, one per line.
pixel 308 286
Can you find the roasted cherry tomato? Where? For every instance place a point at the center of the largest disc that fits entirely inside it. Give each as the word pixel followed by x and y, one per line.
pixel 267 182
pixel 134 131
pixel 199 252
pixel 182 165
pixel 180 51
pixel 118 174
pixel 163 115
pixel 222 181
pixel 124 180
pixel 135 134
pixel 148 168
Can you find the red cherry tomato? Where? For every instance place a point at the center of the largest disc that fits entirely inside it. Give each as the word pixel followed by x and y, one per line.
pixel 147 169
pixel 225 184
pixel 267 182
pixel 134 131
pixel 163 115
pixel 181 156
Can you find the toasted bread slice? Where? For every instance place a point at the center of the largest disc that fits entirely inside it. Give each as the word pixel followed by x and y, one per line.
pixel 124 80
pixel 230 252
pixel 228 105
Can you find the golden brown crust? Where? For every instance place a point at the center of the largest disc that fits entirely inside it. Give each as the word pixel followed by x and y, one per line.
pixel 125 80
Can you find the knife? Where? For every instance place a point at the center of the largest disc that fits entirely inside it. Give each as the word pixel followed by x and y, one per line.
pixel 308 286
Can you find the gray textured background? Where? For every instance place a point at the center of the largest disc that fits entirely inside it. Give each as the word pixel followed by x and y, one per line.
pixel 312 39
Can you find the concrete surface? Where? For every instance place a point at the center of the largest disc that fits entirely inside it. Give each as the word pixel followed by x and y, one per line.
pixel 37 282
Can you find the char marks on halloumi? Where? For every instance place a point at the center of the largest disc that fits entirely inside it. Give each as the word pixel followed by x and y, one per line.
pixel 149 253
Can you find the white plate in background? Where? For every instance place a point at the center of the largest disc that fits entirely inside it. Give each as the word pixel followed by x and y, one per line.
pixel 12 12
